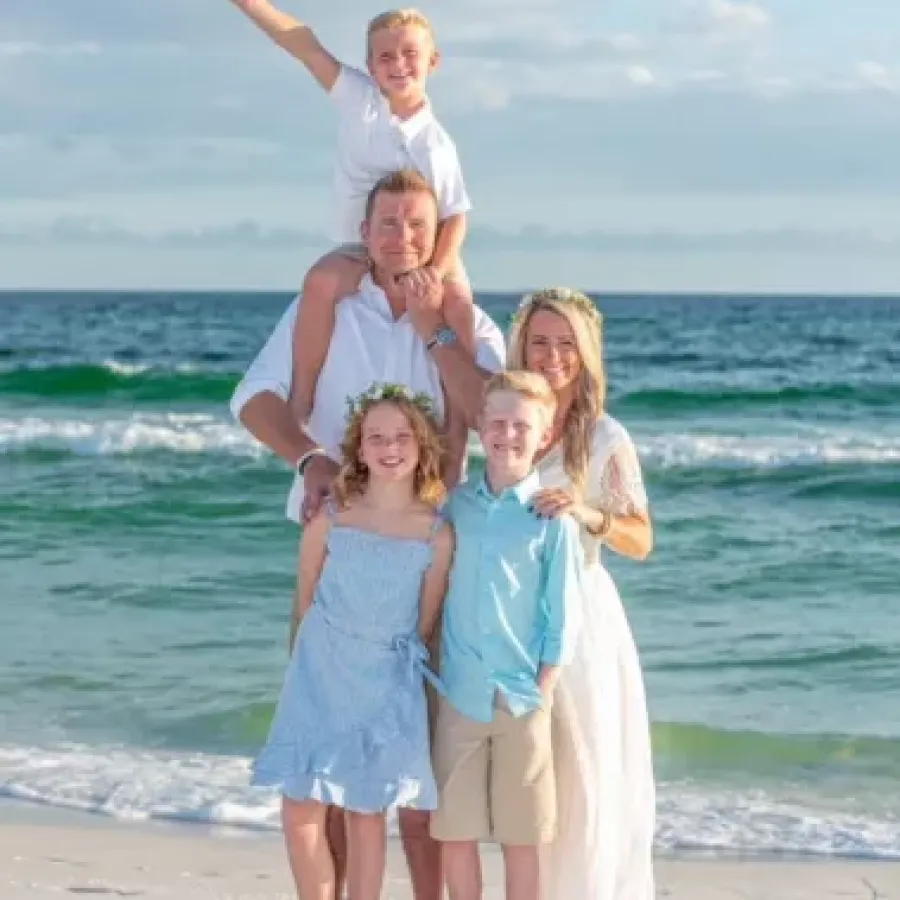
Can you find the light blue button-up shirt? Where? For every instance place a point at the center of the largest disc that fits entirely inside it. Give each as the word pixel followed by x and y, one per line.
pixel 514 601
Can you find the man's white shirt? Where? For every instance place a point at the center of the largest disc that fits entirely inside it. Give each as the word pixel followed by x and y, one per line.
pixel 368 345
pixel 373 142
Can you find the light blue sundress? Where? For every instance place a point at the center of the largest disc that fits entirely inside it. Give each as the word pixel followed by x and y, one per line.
pixel 351 724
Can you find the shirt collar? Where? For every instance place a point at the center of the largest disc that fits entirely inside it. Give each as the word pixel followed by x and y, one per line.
pixel 410 127
pixel 375 298
pixel 522 491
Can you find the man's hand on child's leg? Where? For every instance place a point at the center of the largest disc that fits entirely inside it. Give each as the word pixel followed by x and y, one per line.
pixel 459 312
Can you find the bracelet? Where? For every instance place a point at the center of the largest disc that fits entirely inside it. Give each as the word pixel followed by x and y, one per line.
pixel 605 525
pixel 305 459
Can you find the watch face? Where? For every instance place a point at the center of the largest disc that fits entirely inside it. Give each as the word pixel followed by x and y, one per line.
pixel 446 336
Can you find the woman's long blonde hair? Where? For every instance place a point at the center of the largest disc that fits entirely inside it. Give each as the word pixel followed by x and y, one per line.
pixel 590 394
pixel 353 476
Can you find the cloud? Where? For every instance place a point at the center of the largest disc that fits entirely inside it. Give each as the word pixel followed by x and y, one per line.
pixel 250 235
pixel 879 76
pixel 727 21
pixel 21 49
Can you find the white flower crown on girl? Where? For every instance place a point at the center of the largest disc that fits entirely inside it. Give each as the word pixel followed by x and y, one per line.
pixel 378 392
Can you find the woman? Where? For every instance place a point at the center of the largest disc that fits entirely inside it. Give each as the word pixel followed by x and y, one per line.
pixel 606 792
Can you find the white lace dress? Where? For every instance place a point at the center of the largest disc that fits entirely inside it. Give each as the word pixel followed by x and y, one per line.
pixel 605 785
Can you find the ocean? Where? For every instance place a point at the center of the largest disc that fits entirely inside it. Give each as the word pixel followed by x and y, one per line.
pixel 146 565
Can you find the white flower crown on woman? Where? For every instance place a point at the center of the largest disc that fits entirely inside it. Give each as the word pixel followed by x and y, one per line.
pixel 561 295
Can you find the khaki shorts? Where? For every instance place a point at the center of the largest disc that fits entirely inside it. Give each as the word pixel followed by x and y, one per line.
pixel 358 253
pixel 496 779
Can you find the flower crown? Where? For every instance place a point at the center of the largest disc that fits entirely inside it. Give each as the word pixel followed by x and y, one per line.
pixel 380 392
pixel 562 295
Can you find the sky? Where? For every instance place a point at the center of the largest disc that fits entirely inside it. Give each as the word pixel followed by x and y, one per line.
pixel 670 145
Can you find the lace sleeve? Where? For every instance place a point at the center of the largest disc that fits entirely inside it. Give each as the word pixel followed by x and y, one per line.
pixel 622 484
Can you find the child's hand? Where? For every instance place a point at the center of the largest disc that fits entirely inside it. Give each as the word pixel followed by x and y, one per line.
pixel 546 683
pixel 423 292
pixel 427 284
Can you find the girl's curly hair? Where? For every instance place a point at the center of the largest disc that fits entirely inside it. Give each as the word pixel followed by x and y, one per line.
pixel 354 476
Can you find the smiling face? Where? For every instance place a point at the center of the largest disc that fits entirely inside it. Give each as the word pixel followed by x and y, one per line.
pixel 551 349
pixel 513 430
pixel 400 230
pixel 388 447
pixel 401 58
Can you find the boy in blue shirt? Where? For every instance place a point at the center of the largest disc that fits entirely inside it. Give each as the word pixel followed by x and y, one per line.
pixel 510 622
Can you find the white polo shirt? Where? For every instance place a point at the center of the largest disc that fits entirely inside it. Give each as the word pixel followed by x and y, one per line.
pixel 372 142
pixel 368 346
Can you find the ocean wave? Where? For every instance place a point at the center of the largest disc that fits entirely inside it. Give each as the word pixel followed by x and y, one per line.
pixel 673 451
pixel 199 433
pixel 203 381
pixel 141 432
pixel 869 394
pixel 213 789
pixel 700 747
pixel 120 381
pixel 729 821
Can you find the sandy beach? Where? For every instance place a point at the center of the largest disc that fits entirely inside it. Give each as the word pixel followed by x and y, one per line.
pixel 47 855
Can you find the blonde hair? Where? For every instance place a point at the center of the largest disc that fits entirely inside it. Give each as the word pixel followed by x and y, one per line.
pixel 353 477
pixel 397 18
pixel 403 181
pixel 590 395
pixel 527 385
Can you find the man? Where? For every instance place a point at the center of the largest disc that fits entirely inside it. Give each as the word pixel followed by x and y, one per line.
pixel 391 330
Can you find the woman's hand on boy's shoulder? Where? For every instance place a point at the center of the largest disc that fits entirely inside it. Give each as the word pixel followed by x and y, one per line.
pixel 551 503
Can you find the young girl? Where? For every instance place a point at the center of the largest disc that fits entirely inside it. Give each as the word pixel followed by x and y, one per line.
pixel 351 726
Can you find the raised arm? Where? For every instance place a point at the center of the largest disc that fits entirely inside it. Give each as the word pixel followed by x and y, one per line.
pixel 294 36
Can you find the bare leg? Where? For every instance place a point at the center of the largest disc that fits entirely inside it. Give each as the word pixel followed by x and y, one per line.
pixel 367 845
pixel 459 315
pixel 457 444
pixel 337 843
pixel 457 305
pixel 522 872
pixel 423 854
pixel 307 846
pixel 332 278
pixel 462 866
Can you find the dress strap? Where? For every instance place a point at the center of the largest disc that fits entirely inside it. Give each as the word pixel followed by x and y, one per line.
pixel 435 527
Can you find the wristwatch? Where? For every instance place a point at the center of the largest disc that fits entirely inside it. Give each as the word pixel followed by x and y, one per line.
pixel 443 337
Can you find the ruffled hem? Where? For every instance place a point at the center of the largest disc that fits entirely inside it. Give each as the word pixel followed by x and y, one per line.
pixel 365 770
pixel 362 797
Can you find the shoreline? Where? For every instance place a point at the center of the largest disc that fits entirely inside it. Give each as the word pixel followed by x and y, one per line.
pixel 51 851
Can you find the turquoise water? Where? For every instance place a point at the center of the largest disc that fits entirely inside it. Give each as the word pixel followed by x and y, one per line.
pixel 146 567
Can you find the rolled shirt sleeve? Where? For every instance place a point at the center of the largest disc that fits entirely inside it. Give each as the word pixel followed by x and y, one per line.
pixel 562 591
pixel 449 184
pixel 351 91
pixel 272 368
pixel 490 346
